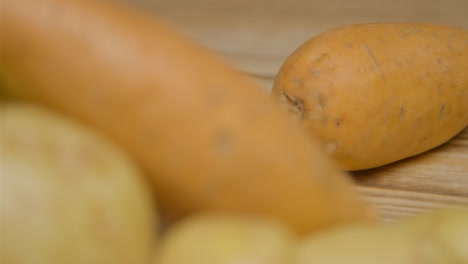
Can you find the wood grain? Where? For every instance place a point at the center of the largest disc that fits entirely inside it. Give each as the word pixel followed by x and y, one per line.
pixel 256 36
pixel 393 205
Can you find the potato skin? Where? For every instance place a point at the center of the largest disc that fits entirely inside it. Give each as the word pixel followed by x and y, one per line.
pixel 430 238
pixel 208 138
pixel 448 227
pixel 69 195
pixel 378 93
pixel 226 239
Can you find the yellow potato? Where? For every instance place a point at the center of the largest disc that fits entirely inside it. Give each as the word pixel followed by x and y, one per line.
pixel 449 228
pixel 218 239
pixel 440 238
pixel 68 196
pixel 366 245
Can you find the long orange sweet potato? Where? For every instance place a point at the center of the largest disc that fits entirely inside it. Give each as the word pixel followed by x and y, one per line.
pixel 378 93
pixel 209 139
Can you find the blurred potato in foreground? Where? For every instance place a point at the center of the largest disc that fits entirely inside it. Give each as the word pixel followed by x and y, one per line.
pixel 438 238
pixel 68 196
pixel 226 239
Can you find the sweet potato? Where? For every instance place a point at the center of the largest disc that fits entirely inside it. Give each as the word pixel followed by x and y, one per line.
pixel 377 93
pixel 226 239
pixel 208 139
pixel 69 195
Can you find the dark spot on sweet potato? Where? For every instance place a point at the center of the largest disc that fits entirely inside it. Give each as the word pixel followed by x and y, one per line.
pixel 402 113
pixel 370 55
pixel 321 100
pixel 294 105
pixel 436 36
pixel 442 110
pixel 338 122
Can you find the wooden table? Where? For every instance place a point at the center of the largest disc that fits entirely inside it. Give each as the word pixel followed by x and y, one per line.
pixel 256 36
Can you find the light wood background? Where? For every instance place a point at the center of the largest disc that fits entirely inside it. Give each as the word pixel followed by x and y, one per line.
pixel 256 36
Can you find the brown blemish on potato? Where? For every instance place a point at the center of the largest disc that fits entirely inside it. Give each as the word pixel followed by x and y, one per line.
pixel 294 104
pixel 315 73
pixel 442 110
pixel 436 36
pixel 370 55
pixel 348 45
pixel 338 122
pixel 402 113
pixel 321 100
pixel 439 62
